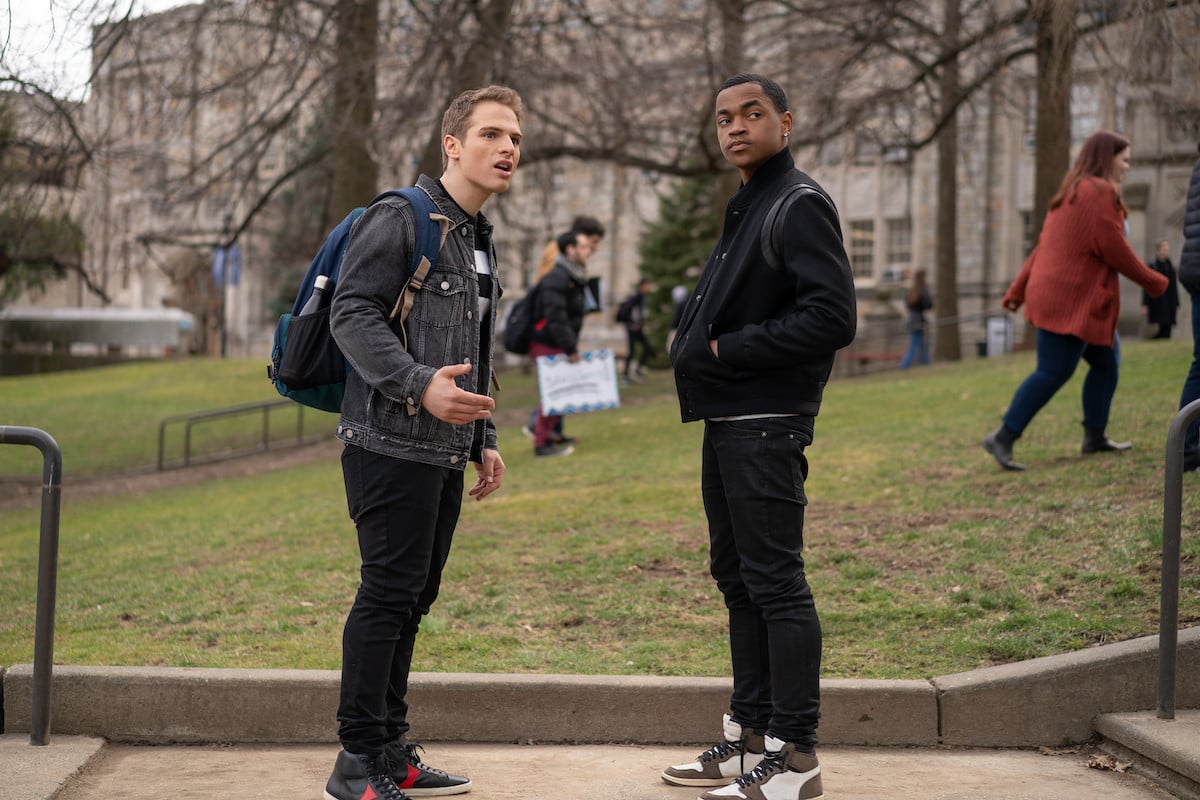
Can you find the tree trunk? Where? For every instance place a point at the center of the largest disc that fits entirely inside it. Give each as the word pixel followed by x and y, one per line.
pixel 1054 46
pixel 731 54
pixel 475 68
pixel 355 172
pixel 1055 50
pixel 946 297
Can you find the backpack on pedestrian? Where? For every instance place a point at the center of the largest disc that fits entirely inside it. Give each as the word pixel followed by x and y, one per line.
pixel 519 323
pixel 306 365
pixel 625 309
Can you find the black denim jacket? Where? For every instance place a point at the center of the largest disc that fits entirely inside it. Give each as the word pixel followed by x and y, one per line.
pixel 393 365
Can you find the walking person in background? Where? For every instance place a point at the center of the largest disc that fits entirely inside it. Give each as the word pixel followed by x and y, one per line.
pixel 752 355
pixel 1189 276
pixel 416 410
pixel 632 314
pixel 918 301
pixel 559 311
pixel 1161 310
pixel 1069 286
pixel 593 231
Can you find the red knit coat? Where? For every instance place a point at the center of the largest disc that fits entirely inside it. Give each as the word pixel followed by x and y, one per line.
pixel 1069 282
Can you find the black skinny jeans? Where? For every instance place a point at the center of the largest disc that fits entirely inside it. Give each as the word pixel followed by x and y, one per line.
pixel 637 340
pixel 752 479
pixel 405 512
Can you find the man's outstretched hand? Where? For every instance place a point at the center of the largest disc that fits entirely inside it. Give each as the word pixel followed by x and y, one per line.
pixel 451 404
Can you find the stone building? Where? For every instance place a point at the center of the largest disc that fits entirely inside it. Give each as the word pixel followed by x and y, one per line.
pixel 166 186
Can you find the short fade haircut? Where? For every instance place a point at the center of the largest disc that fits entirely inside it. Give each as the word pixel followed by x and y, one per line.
pixel 457 117
pixel 588 226
pixel 771 89
pixel 568 239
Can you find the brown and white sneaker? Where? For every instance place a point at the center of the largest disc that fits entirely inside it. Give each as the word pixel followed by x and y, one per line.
pixel 783 774
pixel 736 754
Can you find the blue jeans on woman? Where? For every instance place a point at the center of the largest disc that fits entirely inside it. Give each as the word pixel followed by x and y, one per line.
pixel 1057 356
pixel 918 349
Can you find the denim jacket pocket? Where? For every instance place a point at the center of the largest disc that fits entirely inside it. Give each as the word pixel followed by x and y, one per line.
pixel 443 300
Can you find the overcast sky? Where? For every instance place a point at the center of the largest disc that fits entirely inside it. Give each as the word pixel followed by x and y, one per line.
pixel 48 40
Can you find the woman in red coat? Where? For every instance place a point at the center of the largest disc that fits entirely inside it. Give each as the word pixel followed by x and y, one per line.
pixel 1069 288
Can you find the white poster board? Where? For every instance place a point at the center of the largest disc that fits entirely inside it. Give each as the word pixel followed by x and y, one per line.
pixel 999 335
pixel 590 384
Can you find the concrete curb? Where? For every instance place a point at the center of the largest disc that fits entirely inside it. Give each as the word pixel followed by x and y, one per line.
pixel 1047 701
pixel 1171 746
pixel 1052 701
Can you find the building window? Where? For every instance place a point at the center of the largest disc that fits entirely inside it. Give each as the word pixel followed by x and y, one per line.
pixel 1026 234
pixel 899 242
pixel 862 248
pixel 1085 111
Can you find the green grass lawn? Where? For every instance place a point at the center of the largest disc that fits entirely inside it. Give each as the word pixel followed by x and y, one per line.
pixel 925 557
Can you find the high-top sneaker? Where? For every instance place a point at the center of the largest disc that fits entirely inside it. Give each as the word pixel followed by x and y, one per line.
pixel 359 777
pixel 418 779
pixel 783 774
pixel 738 753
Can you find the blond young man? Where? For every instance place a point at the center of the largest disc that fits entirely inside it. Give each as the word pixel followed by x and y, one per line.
pixel 416 410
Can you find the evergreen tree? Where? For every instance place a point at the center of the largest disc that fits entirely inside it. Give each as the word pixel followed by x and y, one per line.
pixel 38 245
pixel 676 246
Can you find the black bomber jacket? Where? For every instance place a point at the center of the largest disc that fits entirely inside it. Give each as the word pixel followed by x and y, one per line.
pixel 777 329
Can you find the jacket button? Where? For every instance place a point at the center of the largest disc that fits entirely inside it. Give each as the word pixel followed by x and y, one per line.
pixel 470 315
pixel 453 459
pixel 463 230
pixel 410 400
pixel 445 285
pixel 466 361
pixel 349 434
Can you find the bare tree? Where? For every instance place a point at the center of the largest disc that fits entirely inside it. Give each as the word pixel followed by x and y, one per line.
pixel 320 98
pixel 355 171
pixel 948 348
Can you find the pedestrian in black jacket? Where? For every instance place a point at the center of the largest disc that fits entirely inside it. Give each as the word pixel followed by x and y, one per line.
pixel 1161 310
pixel 559 311
pixel 753 352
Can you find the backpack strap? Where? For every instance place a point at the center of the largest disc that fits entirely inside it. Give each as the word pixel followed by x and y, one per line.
pixel 769 236
pixel 430 238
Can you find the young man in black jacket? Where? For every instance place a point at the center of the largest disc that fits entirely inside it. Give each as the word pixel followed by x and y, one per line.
pixel 753 352
pixel 559 311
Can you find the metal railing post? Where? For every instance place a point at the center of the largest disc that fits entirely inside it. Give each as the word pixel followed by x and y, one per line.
pixel 47 580
pixel 194 419
pixel 1168 620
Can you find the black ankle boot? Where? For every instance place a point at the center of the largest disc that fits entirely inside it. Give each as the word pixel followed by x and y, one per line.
pixel 999 443
pixel 1097 442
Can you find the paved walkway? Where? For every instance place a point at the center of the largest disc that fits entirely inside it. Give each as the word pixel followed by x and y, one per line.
pixel 558 772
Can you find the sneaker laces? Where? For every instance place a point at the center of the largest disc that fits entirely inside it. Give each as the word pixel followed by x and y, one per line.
pixel 385 788
pixel 410 752
pixel 721 751
pixel 772 764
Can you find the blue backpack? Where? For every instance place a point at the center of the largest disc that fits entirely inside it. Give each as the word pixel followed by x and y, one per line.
pixel 306 364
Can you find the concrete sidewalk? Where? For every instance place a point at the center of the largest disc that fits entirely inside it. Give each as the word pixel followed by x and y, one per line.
pixel 1021 731
pixel 545 772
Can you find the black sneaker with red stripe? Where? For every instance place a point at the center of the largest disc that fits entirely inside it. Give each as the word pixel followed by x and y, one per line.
pixel 359 777
pixel 418 779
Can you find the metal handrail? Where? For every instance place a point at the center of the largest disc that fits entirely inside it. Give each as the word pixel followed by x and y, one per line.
pixel 47 580
pixel 1168 620
pixel 190 420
